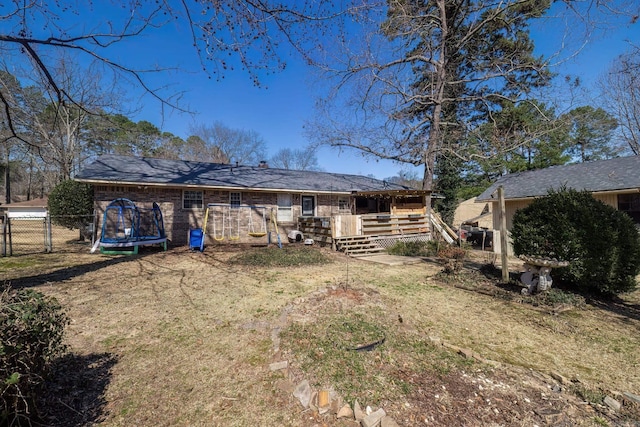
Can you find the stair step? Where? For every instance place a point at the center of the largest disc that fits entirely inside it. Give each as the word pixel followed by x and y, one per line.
pixel 365 251
pixel 351 240
pixel 364 254
pixel 358 246
pixel 362 247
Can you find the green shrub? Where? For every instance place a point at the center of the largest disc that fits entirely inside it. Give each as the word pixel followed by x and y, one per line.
pixel 555 296
pixel 601 243
pixel 409 249
pixel 31 331
pixel 70 203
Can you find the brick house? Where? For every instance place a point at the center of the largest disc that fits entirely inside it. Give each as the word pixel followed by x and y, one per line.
pixel 184 189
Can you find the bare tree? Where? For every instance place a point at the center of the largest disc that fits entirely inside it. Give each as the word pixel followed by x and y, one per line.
pixel 425 75
pixel 406 177
pixel 227 145
pixel 196 149
pixel 226 35
pixel 57 130
pixel 621 94
pixel 287 158
pixel 430 72
pixel 14 125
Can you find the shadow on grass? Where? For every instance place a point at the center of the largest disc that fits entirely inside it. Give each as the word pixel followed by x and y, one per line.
pixel 618 306
pixel 70 272
pixel 75 393
pixel 612 303
pixel 494 274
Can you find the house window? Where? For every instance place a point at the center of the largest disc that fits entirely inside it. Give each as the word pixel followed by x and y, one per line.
pixel 308 206
pixel 630 203
pixel 192 199
pixel 285 211
pixel 343 205
pixel 235 199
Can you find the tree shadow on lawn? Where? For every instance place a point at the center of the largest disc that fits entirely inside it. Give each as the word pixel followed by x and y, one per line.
pixel 70 272
pixel 74 395
pixel 494 274
pixel 612 303
pixel 618 306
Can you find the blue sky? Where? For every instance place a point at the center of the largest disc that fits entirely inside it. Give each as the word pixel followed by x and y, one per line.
pixel 278 111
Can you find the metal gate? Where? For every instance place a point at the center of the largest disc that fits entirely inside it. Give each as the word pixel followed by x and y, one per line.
pixel 30 235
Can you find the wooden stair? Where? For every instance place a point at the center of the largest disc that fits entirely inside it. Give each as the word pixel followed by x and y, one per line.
pixel 356 246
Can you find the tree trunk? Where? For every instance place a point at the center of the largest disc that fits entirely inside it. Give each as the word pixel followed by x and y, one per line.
pixel 434 143
pixel 30 180
pixel 7 183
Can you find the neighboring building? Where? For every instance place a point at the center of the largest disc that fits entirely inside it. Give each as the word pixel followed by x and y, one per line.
pixel 615 182
pixel 183 189
pixel 473 214
pixel 30 209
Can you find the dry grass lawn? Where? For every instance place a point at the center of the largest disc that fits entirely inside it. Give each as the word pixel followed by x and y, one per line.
pixel 183 338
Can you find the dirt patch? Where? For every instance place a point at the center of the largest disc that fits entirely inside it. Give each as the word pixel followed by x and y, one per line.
pixel 186 338
pixel 482 394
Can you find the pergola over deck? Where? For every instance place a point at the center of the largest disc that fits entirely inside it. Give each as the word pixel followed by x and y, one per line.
pixel 378 218
pixel 394 202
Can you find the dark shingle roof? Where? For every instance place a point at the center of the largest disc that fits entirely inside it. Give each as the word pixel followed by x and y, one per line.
pixel 142 170
pixel 33 203
pixel 603 175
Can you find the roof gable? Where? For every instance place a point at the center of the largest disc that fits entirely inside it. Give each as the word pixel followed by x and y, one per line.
pixel 617 174
pixel 149 171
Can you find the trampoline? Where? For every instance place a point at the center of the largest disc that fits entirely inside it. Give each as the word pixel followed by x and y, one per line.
pixel 125 227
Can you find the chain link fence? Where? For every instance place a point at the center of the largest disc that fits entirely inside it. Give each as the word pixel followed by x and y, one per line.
pixel 30 235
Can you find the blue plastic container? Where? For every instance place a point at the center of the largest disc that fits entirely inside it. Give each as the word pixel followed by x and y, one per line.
pixel 196 239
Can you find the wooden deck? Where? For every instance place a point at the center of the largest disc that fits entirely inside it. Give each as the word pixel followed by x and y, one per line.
pixel 360 235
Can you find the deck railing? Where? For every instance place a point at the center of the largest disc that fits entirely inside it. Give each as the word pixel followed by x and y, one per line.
pixel 386 224
pixel 324 229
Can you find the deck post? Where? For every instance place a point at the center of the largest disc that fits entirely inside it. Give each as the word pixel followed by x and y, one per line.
pixel 504 243
pixel 4 235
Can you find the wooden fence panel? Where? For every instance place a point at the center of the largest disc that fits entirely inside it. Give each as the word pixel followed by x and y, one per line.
pixel 346 225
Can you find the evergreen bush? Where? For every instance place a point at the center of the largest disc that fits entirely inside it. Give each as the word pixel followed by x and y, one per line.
pixel 31 332
pixel 601 243
pixel 70 203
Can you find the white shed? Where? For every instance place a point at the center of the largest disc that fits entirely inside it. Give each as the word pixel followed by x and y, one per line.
pixel 30 209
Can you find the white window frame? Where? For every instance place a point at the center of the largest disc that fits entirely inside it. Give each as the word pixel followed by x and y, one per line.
pixel 343 205
pixel 285 208
pixel 193 198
